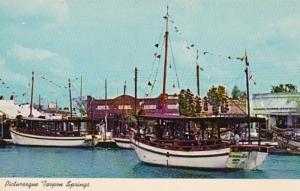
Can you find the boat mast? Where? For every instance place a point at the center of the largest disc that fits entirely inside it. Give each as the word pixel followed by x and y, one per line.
pixel 135 89
pixel 70 97
pixel 164 96
pixel 31 99
pixel 81 96
pixel 198 73
pixel 39 101
pixel 123 109
pixel 248 96
pixel 105 119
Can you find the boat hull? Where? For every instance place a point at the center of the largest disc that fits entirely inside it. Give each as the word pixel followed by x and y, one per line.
pixel 123 143
pixel 238 157
pixel 19 138
pixel 216 159
pixel 284 143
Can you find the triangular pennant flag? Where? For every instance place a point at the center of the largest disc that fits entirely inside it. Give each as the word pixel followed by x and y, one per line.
pixel 246 60
pixel 149 83
pixel 241 58
pixel 158 56
pixel 156 45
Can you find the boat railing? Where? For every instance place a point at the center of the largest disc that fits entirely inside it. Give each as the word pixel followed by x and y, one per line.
pixel 247 148
pixel 185 145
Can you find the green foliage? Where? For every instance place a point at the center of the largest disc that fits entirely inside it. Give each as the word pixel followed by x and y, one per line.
pixel 189 104
pixel 217 98
pixel 284 88
pixel 235 93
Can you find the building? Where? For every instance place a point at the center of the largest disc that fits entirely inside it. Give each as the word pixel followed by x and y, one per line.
pixel 96 109
pixel 281 109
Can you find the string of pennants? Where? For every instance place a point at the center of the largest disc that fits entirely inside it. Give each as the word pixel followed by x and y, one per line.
pixel 192 46
pixel 5 85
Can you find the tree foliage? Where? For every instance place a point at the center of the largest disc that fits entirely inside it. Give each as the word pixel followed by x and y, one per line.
pixel 217 98
pixel 284 88
pixel 235 93
pixel 189 104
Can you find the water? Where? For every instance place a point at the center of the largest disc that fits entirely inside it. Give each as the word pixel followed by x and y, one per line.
pixel 117 163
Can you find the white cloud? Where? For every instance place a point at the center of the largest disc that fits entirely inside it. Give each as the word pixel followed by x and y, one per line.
pixel 54 9
pixel 27 54
pixel 42 58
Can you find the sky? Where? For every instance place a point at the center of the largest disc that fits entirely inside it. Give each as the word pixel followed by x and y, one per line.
pixel 107 39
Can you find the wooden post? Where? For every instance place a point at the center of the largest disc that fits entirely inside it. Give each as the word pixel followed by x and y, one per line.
pixel 259 131
pixel 219 131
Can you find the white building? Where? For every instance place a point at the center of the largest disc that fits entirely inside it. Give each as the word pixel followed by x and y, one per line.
pixel 281 109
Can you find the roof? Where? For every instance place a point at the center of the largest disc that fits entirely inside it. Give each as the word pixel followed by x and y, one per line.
pixel 11 110
pixel 231 118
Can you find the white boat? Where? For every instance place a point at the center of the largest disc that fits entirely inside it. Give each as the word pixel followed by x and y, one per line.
pixel 25 139
pixel 213 154
pixel 175 145
pixel 288 142
pixel 51 133
pixel 216 158
pixel 123 142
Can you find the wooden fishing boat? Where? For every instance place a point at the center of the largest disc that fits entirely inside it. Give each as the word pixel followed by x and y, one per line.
pixel 288 139
pixel 51 133
pixel 168 140
pixel 189 150
pixel 123 142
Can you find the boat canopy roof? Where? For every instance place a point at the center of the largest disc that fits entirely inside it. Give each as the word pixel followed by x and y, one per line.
pixel 230 118
pixel 76 120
